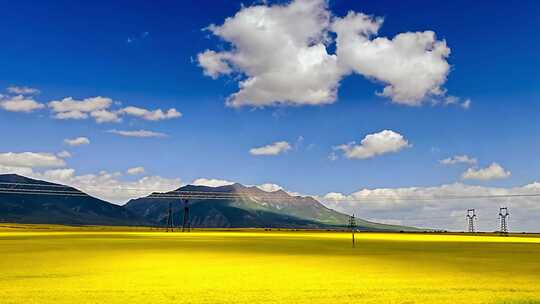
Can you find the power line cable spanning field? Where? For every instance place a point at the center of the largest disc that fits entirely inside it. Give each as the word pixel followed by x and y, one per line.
pixel 41 189
pixel 185 196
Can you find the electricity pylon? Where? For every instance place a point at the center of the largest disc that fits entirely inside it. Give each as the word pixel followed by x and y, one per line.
pixel 170 218
pixel 503 214
pixel 471 217
pixel 352 225
pixel 186 224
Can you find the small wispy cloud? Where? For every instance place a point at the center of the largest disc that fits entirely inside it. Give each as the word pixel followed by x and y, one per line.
pixel 20 103
pixel 79 141
pixel 63 154
pixel 271 149
pixel 137 133
pixel 152 115
pixel 101 109
pixel 138 37
pixel 456 101
pixel 493 171
pixel 386 141
pixel 136 171
pixel 333 156
pixel 459 159
pixel 22 90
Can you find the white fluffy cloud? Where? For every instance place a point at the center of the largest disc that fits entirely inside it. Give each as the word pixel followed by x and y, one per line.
pixel 383 142
pixel 493 171
pixel 214 64
pixel 411 65
pixel 20 103
pixel 99 108
pixel 55 174
pixel 282 52
pixel 15 170
pixel 105 185
pixel 31 160
pixel 79 141
pixel 63 154
pixel 211 182
pixel 109 186
pixel 22 90
pixel 69 108
pixel 269 187
pixel 271 149
pixel 442 206
pixel 135 171
pixel 137 133
pixel 86 105
pixel 459 159
pixel 152 115
pixel 102 116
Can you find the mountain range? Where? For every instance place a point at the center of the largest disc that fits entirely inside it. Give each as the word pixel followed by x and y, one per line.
pixel 26 200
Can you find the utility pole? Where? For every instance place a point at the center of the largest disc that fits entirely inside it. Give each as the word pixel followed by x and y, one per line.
pixel 352 225
pixel 170 218
pixel 471 217
pixel 186 224
pixel 503 214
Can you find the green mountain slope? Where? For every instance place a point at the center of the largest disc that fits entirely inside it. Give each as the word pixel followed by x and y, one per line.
pixel 232 206
pixel 248 207
pixel 77 208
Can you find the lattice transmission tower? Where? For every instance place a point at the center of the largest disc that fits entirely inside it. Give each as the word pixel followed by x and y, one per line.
pixel 170 218
pixel 503 215
pixel 352 226
pixel 471 217
pixel 186 225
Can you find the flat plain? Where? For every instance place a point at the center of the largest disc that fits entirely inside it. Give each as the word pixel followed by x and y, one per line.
pixel 54 264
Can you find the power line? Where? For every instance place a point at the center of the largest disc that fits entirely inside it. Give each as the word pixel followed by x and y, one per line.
pixel 185 196
pixel 243 194
pixel 185 223
pixel 43 193
pixel 201 196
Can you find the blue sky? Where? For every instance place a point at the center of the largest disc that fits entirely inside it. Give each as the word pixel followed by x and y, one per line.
pixel 146 55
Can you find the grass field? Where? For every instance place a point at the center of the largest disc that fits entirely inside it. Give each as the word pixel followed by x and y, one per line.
pixel 99 265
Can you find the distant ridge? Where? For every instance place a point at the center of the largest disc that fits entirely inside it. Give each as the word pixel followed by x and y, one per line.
pixel 238 206
pixel 80 209
pixel 250 207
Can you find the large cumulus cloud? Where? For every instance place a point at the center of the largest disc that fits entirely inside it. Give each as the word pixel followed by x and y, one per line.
pixel 281 53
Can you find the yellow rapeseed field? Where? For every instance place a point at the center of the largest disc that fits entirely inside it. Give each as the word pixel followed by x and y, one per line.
pixel 100 265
